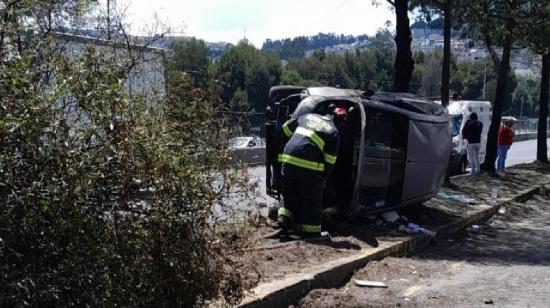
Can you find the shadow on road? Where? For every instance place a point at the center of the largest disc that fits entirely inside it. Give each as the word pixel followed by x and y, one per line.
pixel 520 236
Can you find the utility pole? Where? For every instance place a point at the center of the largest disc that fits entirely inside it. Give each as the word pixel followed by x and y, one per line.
pixel 521 110
pixel 484 80
pixel 108 19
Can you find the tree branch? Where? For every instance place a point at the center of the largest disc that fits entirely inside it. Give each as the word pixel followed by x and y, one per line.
pixel 14 2
pixel 2 31
pixel 489 44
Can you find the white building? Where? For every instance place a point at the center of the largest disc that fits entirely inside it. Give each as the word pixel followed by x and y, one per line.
pixel 147 64
pixel 145 75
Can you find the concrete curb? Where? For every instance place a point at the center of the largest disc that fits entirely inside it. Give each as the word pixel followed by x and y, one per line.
pixel 334 273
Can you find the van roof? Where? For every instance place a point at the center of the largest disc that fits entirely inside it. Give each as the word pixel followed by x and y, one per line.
pixel 404 101
pixel 409 102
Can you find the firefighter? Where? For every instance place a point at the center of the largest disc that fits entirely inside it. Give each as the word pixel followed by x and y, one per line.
pixel 306 163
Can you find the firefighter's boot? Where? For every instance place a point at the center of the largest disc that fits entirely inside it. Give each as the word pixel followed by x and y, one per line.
pixel 284 219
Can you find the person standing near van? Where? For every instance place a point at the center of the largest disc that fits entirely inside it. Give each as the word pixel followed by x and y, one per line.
pixel 505 139
pixel 306 163
pixel 472 132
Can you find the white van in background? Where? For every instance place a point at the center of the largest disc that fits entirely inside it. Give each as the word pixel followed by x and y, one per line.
pixel 459 111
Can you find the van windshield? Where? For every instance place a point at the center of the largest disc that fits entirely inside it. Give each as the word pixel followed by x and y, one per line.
pixel 456 121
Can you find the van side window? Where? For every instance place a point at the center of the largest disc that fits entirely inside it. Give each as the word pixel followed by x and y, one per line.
pixel 385 157
pixel 384 135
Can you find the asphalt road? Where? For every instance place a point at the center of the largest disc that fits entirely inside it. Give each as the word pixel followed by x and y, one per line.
pixel 522 152
pixel 257 174
pixel 504 262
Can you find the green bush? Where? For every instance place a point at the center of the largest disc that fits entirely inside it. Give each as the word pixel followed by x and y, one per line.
pixel 105 198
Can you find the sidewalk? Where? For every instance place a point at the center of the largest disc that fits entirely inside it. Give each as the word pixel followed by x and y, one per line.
pixel 285 272
pixel 503 261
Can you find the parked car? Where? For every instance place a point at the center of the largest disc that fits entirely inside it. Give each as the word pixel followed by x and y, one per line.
pixel 245 142
pixel 394 153
pixel 459 111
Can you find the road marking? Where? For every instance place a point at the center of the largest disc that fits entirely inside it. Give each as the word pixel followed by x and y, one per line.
pixel 410 291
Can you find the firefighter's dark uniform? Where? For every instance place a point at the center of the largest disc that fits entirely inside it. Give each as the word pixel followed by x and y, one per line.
pixel 306 162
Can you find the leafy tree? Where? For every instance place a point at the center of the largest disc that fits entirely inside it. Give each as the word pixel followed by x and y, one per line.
pixel 273 66
pixel 291 77
pixel 257 85
pixel 468 78
pixel 244 67
pixel 190 56
pixel 446 8
pixel 522 100
pixel 362 69
pixel 297 47
pixel 232 68
pixel 239 100
pixel 105 197
pixel 382 40
pixel 404 64
pixel 431 78
pixel 537 37
pixel 496 23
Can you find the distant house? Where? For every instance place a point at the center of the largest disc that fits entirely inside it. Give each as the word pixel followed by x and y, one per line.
pixel 425 32
pixel 473 54
pixel 522 69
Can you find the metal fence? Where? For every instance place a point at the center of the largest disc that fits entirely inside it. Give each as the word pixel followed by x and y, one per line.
pixel 245 123
pixel 525 125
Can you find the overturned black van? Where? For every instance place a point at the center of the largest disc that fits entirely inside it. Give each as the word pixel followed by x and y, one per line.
pixel 394 152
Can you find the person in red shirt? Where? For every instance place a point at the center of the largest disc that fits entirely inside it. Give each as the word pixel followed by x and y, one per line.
pixel 505 136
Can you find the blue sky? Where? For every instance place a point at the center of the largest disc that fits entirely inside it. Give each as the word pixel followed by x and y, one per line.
pixel 231 20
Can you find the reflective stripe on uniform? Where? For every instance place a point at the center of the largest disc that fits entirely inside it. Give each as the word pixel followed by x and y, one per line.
pixel 299 162
pixel 313 136
pixel 285 212
pixel 287 130
pixel 311 228
pixel 331 159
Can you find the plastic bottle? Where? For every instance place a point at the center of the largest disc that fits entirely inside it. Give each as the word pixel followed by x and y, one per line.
pixel 494 195
pixel 417 228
